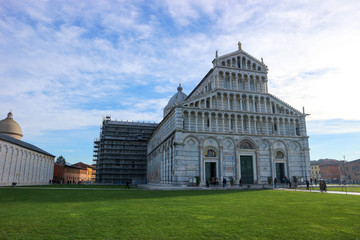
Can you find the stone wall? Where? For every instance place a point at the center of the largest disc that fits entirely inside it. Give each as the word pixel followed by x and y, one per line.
pixel 24 166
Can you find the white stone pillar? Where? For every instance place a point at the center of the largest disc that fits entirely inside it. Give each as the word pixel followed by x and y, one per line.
pixel 255 127
pixel 249 125
pixel 265 105
pixel 247 104
pixel 222 101
pixel 236 128
pixel 229 123
pixel 241 124
pixel 189 118
pixel 284 127
pixel 216 123
pixel 196 122
pixel 267 126
pixel 210 123
pixel 221 167
pixel 201 168
pixel 203 124
pixel 223 123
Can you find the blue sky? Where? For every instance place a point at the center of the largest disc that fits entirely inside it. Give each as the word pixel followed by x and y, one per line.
pixel 64 65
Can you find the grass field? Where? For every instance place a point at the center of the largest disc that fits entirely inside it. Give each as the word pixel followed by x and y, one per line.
pixel 337 189
pixel 137 214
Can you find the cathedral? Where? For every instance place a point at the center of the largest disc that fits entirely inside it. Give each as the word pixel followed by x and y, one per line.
pixel 229 127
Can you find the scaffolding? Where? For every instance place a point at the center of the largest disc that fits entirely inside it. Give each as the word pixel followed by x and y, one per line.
pixel 120 151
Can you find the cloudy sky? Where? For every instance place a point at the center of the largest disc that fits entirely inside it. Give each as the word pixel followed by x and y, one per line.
pixel 64 65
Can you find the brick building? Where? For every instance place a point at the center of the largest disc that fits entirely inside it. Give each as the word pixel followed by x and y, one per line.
pixel 87 176
pixel 330 171
pixel 350 171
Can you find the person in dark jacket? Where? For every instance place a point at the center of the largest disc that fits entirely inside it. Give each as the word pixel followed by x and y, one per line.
pixel 224 182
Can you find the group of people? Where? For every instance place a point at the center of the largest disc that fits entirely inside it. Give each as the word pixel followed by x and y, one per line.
pixel 212 181
pixel 283 180
pixel 215 181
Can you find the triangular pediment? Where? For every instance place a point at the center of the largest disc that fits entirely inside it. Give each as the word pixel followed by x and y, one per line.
pixel 240 59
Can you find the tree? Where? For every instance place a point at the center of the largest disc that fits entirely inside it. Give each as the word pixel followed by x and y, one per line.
pixel 60 160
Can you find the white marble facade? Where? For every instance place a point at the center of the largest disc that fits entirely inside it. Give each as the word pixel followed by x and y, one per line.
pixel 229 126
pixel 24 166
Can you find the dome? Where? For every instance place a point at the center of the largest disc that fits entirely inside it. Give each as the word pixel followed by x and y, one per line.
pixel 174 100
pixel 10 127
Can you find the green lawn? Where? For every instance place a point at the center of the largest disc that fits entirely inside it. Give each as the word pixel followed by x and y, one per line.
pixel 268 214
pixel 338 189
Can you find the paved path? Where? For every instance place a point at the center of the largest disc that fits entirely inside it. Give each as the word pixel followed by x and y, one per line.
pixel 318 191
pixel 75 188
pixel 171 187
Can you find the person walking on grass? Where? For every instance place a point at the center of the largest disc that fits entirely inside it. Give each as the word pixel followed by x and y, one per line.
pixel 127 184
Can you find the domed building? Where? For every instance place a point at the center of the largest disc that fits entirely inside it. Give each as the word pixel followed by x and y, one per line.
pixel 20 162
pixel 175 100
pixel 10 127
pixel 230 127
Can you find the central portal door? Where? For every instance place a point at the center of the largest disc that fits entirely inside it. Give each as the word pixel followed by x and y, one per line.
pixel 280 171
pixel 247 171
pixel 210 170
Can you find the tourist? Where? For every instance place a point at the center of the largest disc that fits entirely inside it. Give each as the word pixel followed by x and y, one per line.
pixel 289 184
pixel 321 185
pixel 275 182
pixel 240 183
pixel 224 182
pixel 307 184
pixel 127 184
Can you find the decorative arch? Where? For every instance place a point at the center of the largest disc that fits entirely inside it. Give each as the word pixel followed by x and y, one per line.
pixel 295 146
pixel 280 144
pixel 228 143
pixel 264 145
pixel 191 138
pixel 210 141
pixel 246 145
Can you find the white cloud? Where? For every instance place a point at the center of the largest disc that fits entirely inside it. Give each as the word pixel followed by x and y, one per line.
pixel 63 65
